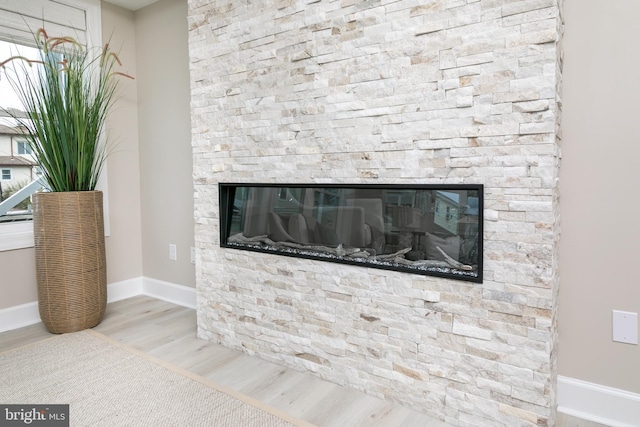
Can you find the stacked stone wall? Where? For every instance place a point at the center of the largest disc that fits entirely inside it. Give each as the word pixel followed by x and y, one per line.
pixel 388 92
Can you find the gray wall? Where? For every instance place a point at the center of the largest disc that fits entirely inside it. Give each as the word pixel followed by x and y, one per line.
pixel 166 184
pixel 599 179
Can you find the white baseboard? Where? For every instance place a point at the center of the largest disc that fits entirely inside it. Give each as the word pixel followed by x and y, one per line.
pixel 170 292
pixel 19 316
pixel 605 405
pixel 27 314
pixel 124 289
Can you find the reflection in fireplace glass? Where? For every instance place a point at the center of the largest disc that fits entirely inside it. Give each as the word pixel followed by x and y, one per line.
pixel 420 229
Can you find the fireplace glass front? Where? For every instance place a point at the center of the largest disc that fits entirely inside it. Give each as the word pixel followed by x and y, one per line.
pixel 419 229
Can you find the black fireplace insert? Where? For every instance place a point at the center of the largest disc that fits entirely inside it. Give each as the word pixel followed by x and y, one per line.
pixel 432 230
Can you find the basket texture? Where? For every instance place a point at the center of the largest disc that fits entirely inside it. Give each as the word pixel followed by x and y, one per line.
pixel 70 259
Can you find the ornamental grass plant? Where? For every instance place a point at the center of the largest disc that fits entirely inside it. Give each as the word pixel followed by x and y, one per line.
pixel 66 93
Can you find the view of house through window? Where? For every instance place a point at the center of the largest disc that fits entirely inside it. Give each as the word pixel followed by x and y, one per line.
pixel 16 160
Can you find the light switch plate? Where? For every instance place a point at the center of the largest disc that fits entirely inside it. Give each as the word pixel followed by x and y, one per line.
pixel 625 327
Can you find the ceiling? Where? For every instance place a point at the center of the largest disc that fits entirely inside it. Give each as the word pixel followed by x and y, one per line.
pixel 131 4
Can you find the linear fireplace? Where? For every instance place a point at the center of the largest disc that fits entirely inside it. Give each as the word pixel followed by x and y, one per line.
pixel 421 229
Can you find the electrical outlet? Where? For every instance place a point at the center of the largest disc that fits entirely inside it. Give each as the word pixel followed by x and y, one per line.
pixel 625 327
pixel 172 252
pixel 193 255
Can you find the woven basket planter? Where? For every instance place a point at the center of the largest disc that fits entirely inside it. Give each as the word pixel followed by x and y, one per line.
pixel 70 259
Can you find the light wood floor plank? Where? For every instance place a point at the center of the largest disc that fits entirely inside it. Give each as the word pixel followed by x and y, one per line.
pixel 565 420
pixel 23 336
pixel 301 397
pixel 168 332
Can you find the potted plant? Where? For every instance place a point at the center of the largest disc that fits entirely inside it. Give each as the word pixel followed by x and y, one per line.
pixel 67 93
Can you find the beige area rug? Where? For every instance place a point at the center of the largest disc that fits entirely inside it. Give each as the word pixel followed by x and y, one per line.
pixel 110 384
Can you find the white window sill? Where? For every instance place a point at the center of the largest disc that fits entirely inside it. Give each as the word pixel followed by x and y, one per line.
pixel 18 235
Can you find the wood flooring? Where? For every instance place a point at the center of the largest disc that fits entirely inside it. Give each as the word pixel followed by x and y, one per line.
pixel 168 331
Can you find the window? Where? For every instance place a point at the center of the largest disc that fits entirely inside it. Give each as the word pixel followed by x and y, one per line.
pixel 19 149
pixel 79 18
pixel 24 148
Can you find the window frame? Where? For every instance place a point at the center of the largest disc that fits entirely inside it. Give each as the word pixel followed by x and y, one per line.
pixel 22 145
pixel 20 235
pixel 2 174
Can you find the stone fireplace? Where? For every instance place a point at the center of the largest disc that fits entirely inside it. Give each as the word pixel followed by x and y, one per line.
pixel 461 92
